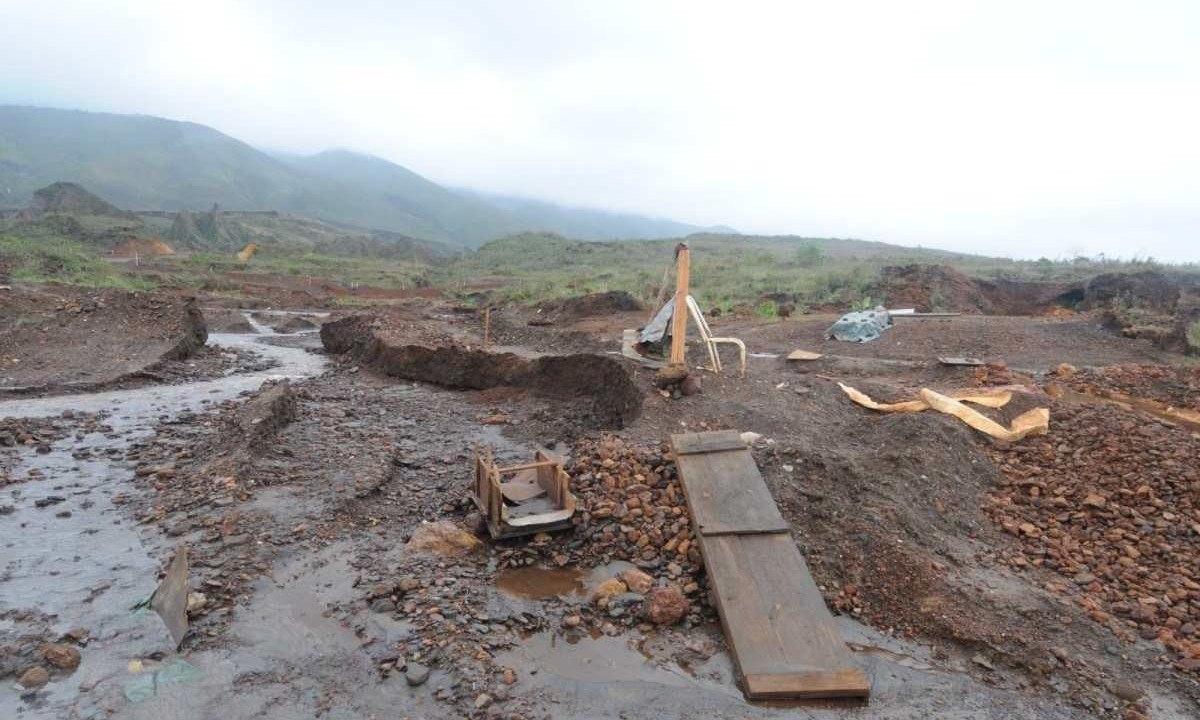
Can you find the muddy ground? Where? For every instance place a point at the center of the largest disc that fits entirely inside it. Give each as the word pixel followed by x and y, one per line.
pixel 301 491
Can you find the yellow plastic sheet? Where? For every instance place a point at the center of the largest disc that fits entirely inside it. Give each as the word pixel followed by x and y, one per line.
pixel 987 399
pixel 1034 422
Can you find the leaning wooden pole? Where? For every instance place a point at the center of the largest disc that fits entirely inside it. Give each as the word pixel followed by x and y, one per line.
pixel 680 313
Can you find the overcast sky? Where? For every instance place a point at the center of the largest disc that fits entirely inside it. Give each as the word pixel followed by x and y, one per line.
pixel 1007 128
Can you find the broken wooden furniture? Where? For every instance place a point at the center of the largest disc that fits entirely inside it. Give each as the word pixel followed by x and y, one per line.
pixel 785 642
pixel 522 499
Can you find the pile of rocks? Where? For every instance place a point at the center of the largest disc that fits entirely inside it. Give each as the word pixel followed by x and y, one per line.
pixel 1111 502
pixel 629 507
pixel 1177 386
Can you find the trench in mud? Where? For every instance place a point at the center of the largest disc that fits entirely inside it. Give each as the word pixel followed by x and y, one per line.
pixel 79 559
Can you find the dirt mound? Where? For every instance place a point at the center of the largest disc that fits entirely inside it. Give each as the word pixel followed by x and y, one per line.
pixel 1150 290
pixel 932 288
pixel 616 401
pixel 593 305
pixel 1024 297
pixel 142 247
pixel 59 338
pixel 70 198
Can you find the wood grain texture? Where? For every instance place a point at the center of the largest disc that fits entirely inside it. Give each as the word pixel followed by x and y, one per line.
pixel 785 642
pixel 725 492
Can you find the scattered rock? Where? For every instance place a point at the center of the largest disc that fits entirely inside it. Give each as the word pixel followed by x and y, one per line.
pixel 442 538
pixel 666 605
pixel 34 677
pixel 63 657
pixel 637 581
pixel 416 674
pixel 608 589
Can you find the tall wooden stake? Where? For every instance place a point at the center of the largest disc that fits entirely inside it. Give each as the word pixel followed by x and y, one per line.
pixel 487 325
pixel 680 313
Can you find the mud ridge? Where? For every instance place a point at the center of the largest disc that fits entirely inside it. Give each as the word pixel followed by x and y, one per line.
pixel 616 401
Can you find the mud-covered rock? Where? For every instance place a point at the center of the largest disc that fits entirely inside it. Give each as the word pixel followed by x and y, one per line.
pixel 442 538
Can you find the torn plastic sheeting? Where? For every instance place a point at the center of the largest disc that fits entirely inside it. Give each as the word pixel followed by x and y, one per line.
pixel 992 400
pixel 1034 422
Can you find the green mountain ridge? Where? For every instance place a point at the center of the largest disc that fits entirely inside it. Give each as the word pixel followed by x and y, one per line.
pixel 152 164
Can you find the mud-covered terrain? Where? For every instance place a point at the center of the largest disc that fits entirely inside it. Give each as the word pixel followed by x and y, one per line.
pixel 339 569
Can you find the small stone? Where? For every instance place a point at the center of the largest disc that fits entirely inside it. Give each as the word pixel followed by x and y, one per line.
pixel 637 581
pixel 63 657
pixel 666 605
pixel 34 677
pixel 482 700
pixel 509 676
pixel 571 621
pixel 1126 691
pixel 1094 501
pixel 416 674
pixel 608 589
pixel 981 660
pixel 442 538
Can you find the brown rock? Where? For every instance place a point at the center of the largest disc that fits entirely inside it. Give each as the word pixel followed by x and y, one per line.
pixel 442 538
pixel 34 677
pixel 63 657
pixel 607 589
pixel 637 581
pixel 666 605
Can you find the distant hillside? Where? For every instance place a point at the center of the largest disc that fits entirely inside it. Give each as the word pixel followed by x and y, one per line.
pixel 148 163
pixel 590 224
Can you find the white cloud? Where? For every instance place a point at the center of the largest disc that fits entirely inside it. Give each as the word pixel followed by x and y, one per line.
pixel 1001 127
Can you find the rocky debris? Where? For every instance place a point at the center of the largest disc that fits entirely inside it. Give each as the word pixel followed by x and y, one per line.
pixel 666 605
pixel 1175 386
pixel 34 677
pixel 443 538
pixel 637 581
pixel 63 657
pixel 416 674
pixel 1110 501
pixel 607 590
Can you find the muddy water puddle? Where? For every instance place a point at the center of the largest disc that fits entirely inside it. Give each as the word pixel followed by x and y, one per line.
pixel 77 557
pixel 538 582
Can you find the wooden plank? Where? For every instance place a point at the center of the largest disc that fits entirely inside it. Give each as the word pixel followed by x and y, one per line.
pixel 679 318
pixel 725 492
pixel 785 642
pixel 688 443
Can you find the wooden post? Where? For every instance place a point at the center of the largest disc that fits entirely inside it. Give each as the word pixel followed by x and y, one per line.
pixel 487 326
pixel 680 313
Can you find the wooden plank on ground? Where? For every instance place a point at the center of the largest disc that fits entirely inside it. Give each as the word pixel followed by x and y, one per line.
pixel 784 640
pixel 726 493
pixel 717 440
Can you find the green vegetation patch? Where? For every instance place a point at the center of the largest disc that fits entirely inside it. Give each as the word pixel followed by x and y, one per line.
pixel 55 259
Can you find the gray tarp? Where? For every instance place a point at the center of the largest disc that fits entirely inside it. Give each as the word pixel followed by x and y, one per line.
pixel 656 329
pixel 862 326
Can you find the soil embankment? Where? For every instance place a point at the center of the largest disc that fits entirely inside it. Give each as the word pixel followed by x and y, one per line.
pixel 615 400
pixel 59 338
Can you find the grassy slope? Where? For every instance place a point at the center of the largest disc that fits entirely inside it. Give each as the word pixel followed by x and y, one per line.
pixel 726 270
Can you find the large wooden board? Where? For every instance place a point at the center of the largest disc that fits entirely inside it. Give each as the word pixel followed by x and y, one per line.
pixel 726 493
pixel 784 640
